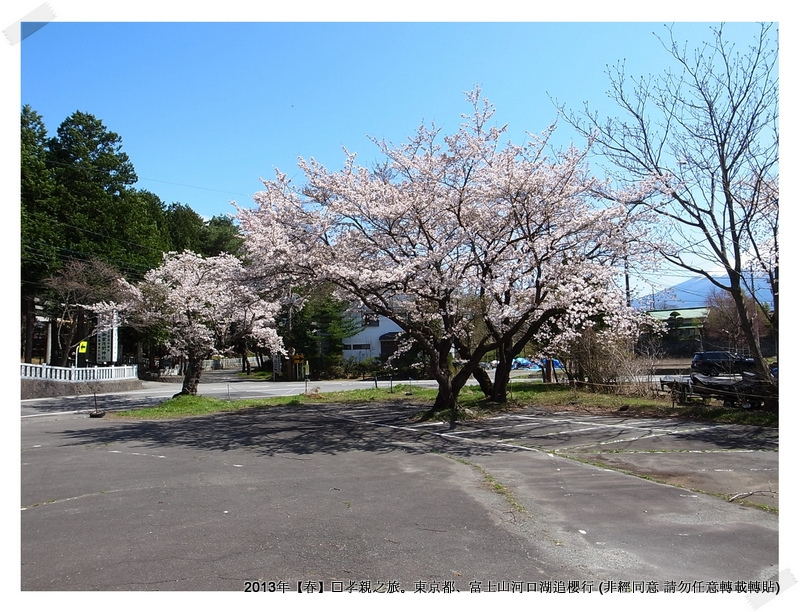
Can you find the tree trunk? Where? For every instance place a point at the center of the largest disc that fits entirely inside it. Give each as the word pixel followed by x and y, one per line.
pixel 774 318
pixel 191 378
pixel 80 358
pixel 446 398
pixel 502 375
pixel 509 349
pixel 66 335
pixel 486 384
pixel 52 338
pixel 547 371
pixel 30 323
pixel 748 329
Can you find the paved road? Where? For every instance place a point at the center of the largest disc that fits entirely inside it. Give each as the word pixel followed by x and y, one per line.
pixel 220 383
pixel 333 494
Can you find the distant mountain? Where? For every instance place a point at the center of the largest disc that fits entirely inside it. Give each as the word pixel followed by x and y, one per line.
pixel 692 293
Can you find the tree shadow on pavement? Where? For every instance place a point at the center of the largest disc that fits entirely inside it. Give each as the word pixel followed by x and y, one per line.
pixel 733 437
pixel 107 403
pixel 301 430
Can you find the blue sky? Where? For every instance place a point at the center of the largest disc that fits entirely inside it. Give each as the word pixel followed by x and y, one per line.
pixel 206 104
pixel 205 109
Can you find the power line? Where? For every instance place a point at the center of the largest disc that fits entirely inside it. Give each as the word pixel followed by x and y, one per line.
pixel 52 162
pixel 196 187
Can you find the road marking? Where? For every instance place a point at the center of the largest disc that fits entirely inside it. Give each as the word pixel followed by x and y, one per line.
pixel 55 414
pixel 473 431
pixel 462 436
pixel 137 454
pixel 453 436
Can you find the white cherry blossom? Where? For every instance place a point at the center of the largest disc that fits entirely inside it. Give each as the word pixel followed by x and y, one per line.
pixel 203 305
pixel 449 235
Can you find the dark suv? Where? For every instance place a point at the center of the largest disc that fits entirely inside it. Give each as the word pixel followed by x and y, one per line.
pixel 712 363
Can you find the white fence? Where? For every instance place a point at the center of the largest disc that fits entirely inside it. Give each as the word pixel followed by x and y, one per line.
pixel 97 373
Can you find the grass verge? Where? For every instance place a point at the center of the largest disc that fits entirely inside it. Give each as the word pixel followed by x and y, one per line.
pixel 473 404
pixel 556 395
pixel 198 405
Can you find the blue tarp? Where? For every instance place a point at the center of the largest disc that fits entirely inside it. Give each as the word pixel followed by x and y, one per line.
pixel 520 363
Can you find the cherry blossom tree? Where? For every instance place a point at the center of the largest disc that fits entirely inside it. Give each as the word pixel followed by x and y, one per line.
pixel 448 235
pixel 594 340
pixel 545 249
pixel 202 305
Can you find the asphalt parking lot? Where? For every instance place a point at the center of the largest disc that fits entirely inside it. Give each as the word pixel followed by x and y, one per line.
pixel 329 496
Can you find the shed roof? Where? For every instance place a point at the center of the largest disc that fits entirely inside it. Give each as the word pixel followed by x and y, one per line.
pixel 683 313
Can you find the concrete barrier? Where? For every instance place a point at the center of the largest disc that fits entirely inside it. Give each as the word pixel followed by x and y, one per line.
pixel 37 388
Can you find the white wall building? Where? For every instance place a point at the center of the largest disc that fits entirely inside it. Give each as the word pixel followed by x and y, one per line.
pixel 378 338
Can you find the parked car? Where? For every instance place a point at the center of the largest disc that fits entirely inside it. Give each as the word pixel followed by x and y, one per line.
pixel 713 363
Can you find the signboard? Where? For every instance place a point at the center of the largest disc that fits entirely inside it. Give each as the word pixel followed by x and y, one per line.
pixel 108 344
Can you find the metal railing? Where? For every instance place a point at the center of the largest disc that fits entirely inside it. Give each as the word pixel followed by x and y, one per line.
pixel 59 374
